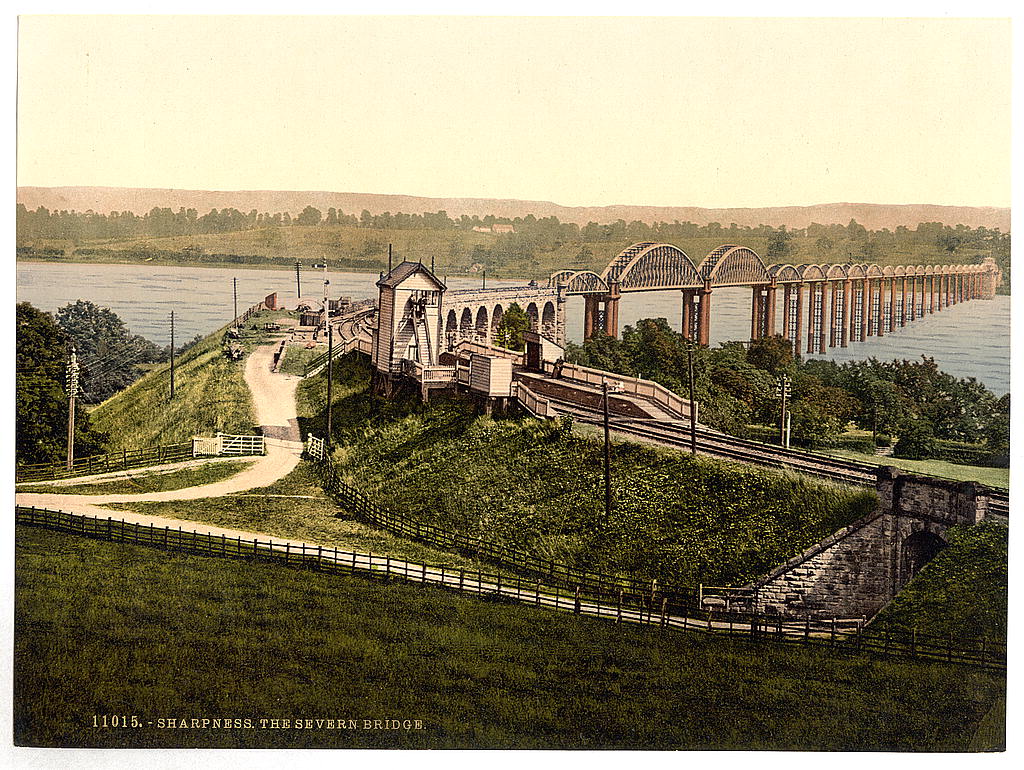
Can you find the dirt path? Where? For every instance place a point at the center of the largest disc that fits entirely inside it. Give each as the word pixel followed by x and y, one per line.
pixel 274 398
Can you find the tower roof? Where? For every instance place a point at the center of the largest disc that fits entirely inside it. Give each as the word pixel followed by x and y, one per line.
pixel 403 271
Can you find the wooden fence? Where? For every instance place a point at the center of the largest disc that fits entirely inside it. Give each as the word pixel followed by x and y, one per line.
pixel 221 444
pixel 642 595
pixel 113 461
pixel 841 636
pixel 536 405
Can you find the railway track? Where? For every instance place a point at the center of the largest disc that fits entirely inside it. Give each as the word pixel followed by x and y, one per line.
pixel 722 446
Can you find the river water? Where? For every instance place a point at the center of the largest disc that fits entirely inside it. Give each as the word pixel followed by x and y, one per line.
pixel 967 340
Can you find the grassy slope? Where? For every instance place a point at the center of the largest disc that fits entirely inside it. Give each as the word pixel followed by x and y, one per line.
pixel 962 591
pixel 993 477
pixel 141 481
pixel 104 629
pixel 532 485
pixel 210 396
pixel 305 514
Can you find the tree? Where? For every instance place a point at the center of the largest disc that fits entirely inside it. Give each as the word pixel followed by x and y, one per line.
pixel 778 244
pixel 41 402
pixel 773 354
pixel 308 216
pixel 814 426
pixel 109 353
pixel 917 441
pixel 513 325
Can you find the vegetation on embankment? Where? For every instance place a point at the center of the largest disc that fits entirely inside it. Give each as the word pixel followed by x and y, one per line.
pixel 962 591
pixel 202 637
pixel 144 480
pixel 998 478
pixel 210 395
pixel 539 487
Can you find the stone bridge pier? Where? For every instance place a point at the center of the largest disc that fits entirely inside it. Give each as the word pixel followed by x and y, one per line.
pixel 858 570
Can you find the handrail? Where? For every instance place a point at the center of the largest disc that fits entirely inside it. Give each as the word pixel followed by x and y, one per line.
pixel 538 406
pixel 637 386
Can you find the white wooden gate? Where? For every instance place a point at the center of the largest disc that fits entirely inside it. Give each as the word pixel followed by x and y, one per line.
pixel 225 444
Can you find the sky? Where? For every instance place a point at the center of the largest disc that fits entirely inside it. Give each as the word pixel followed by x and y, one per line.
pixel 733 112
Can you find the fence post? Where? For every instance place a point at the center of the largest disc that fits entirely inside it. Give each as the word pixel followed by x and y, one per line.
pixel 538 593
pixel 576 601
pixel 110 529
pixel 424 578
pixel 664 611
pixel 832 635
pixel 618 608
pixel 287 552
pixel 462 578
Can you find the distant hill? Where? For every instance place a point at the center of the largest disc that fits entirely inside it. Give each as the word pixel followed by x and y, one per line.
pixel 140 200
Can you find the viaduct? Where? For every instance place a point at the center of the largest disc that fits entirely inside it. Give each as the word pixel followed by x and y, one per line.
pixel 815 307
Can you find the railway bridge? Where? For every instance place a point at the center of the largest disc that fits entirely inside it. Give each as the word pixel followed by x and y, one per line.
pixel 828 305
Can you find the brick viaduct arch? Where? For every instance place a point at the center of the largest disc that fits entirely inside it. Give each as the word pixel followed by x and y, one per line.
pixel 475 314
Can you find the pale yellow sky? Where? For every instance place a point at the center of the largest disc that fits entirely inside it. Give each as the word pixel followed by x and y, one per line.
pixel 580 111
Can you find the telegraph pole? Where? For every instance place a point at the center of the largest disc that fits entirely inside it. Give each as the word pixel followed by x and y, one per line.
pixel 782 390
pixel 72 385
pixel 607 458
pixel 298 280
pixel 172 354
pixel 693 412
pixel 330 378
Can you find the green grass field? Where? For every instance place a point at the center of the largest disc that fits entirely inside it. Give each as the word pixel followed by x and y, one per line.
pixel 142 480
pixel 304 513
pixel 297 356
pixel 993 477
pixel 105 629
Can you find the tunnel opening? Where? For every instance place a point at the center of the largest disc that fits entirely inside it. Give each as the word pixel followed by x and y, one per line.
pixel 919 549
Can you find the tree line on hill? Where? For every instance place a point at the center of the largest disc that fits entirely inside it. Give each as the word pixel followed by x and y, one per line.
pixel 545 232
pixel 932 413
